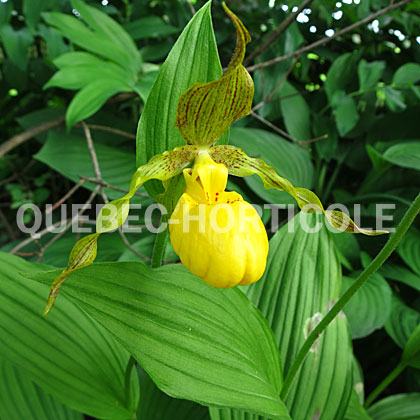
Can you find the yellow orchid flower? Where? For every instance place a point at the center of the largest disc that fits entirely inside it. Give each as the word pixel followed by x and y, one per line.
pixel 218 236
pixel 238 256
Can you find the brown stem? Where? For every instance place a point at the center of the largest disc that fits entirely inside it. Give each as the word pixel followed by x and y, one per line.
pixel 328 39
pixel 111 187
pixel 277 32
pixel 274 127
pixel 15 141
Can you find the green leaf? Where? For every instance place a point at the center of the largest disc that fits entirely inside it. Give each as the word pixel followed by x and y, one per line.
pixel 16 44
pixel 78 76
pixel 340 74
pixel 407 75
pixel 409 249
pixel 369 74
pixel 90 99
pixel 290 160
pixel 69 155
pixel 104 41
pixel 296 113
pixel 401 322
pixel 401 274
pixel 196 342
pixel 411 353
pixel 108 28
pixel 21 398
pixel 368 310
pixel 345 112
pixel 394 99
pixel 397 407
pixel 55 43
pixel 68 355
pixel 32 10
pixel 355 410
pixel 5 12
pixel 406 154
pixel 155 404
pixel 193 59
pixel 302 281
pixel 149 27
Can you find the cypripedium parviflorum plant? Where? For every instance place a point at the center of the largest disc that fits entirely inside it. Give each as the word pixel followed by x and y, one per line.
pixel 218 236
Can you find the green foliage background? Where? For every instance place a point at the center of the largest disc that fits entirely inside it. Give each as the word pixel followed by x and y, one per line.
pixel 342 119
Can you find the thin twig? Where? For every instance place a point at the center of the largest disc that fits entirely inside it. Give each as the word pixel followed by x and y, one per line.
pixel 279 85
pixel 277 32
pixel 15 141
pixel 109 129
pixel 191 7
pixel 7 226
pixel 95 162
pixel 328 39
pixel 130 247
pixel 274 127
pixel 35 237
pixel 65 197
pixel 111 187
pixel 72 220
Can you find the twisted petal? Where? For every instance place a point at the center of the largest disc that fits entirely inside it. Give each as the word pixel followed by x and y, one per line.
pixel 240 164
pixel 114 214
pixel 206 110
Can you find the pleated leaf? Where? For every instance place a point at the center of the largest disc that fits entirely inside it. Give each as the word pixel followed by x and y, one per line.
pixel 21 398
pixel 193 59
pixel 397 407
pixel 196 342
pixel 402 321
pixel 301 282
pixel 368 310
pixel 68 355
pixel 155 404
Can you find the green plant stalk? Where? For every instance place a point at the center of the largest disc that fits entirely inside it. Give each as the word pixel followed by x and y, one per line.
pixel 387 380
pixel 159 248
pixel 376 263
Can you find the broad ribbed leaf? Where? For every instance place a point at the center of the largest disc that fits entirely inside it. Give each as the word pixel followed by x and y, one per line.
pixel 156 405
pixel 21 398
pixel 401 322
pixel 302 279
pixel 193 58
pixel 409 250
pixel 355 410
pixel 196 342
pixel 411 353
pixel 368 310
pixel 397 407
pixel 405 154
pixel 290 160
pixel 68 355
pixel 401 274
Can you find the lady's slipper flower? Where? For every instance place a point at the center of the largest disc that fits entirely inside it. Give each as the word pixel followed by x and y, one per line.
pixel 221 257
pixel 218 236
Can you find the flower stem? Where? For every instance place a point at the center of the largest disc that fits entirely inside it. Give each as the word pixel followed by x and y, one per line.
pixel 388 379
pixel 159 248
pixel 383 255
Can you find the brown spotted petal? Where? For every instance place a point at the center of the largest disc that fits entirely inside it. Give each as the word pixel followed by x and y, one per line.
pixel 206 110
